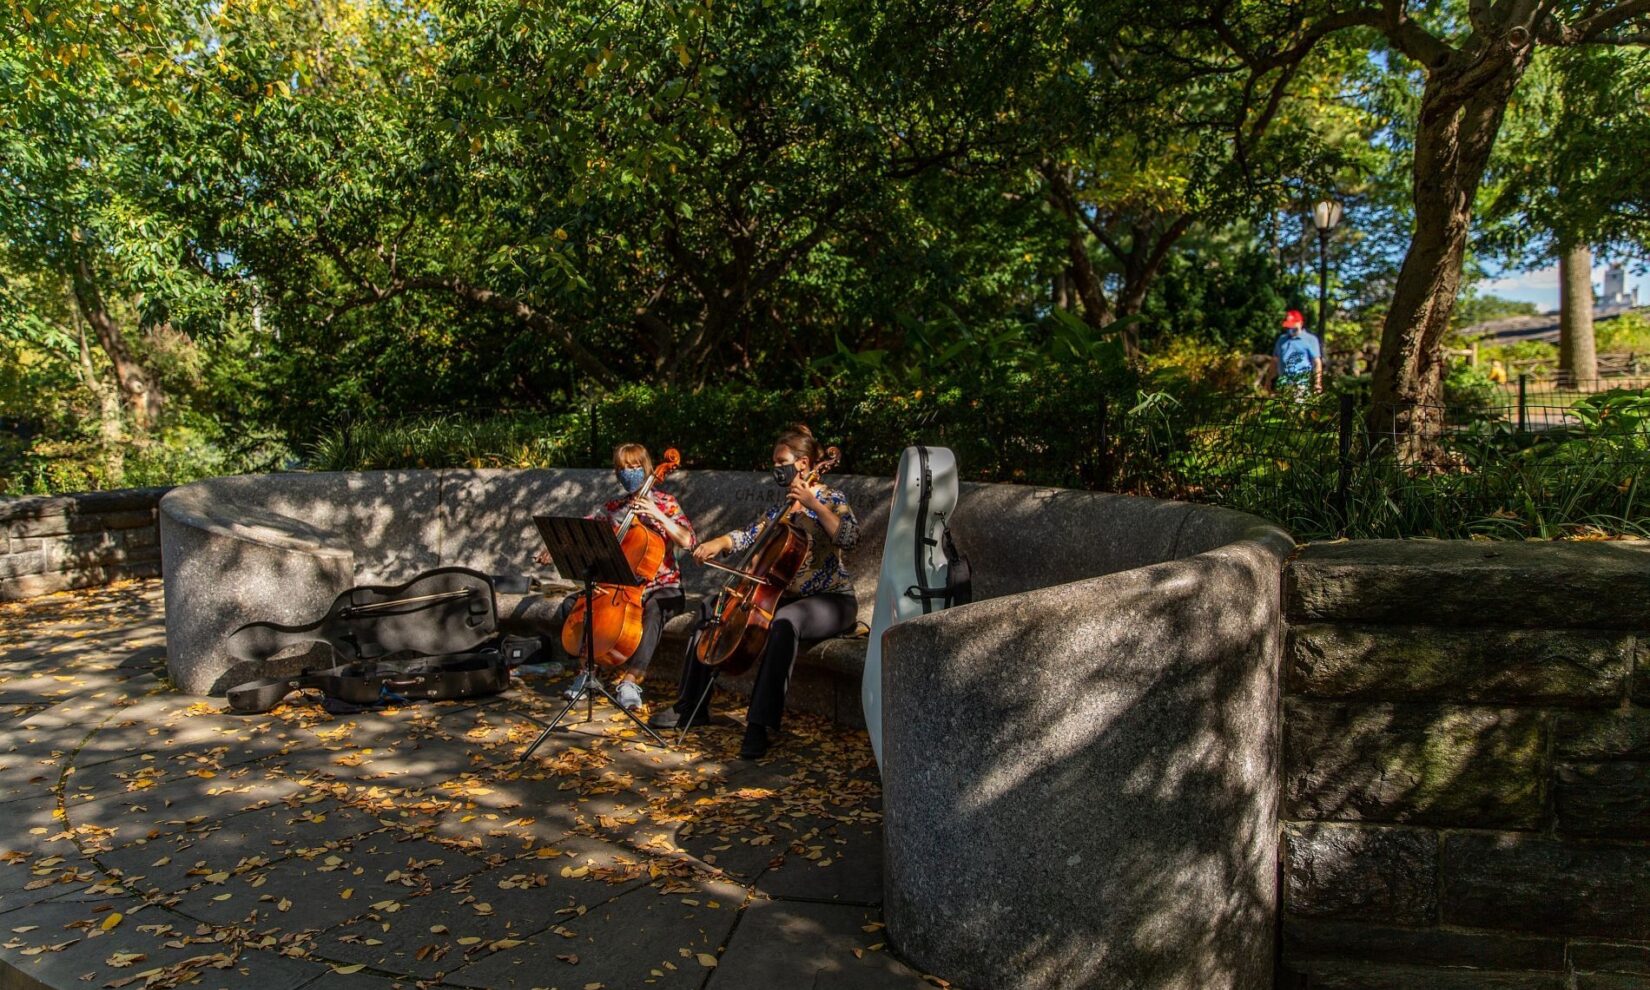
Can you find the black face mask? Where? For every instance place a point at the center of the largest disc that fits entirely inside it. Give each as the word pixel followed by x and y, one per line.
pixel 783 474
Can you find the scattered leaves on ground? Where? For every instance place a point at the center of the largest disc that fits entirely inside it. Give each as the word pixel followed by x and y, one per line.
pixel 669 819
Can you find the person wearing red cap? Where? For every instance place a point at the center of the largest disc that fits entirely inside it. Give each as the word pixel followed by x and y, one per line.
pixel 1297 357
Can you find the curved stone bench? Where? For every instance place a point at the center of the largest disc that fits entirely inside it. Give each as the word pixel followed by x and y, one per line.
pixel 1080 772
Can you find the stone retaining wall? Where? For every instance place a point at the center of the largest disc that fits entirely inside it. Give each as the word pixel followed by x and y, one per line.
pixel 50 543
pixel 1467 766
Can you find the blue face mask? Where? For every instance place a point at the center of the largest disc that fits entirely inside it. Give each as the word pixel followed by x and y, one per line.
pixel 631 478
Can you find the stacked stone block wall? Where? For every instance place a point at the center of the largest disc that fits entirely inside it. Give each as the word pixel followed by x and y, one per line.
pixel 50 543
pixel 1467 766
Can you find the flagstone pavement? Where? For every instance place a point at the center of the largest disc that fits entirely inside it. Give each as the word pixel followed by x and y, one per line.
pixel 151 839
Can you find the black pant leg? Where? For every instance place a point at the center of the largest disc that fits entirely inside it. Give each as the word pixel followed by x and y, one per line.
pixel 814 617
pixel 551 633
pixel 773 675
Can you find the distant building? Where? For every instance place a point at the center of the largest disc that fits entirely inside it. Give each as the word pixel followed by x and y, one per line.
pixel 1615 294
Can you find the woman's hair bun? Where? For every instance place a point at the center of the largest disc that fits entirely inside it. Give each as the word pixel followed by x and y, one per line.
pixel 801 441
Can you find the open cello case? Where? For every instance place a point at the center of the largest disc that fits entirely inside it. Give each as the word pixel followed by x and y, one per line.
pixel 433 638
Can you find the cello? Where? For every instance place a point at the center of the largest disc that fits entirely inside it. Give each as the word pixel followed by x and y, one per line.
pixel 737 631
pixel 616 617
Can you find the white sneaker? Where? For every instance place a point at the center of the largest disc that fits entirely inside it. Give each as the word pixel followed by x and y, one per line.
pixel 576 689
pixel 629 695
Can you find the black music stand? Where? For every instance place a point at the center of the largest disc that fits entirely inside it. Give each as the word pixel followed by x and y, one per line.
pixel 586 550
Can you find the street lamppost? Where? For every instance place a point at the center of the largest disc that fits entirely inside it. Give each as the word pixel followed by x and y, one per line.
pixel 1326 213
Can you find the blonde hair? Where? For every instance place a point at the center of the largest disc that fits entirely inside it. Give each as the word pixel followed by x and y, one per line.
pixel 632 455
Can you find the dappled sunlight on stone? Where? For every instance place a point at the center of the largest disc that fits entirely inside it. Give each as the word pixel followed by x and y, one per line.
pixel 1104 749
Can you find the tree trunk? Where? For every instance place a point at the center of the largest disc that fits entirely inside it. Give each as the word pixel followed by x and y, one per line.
pixel 1461 112
pixel 1082 280
pixel 1085 280
pixel 1130 301
pixel 142 397
pixel 1577 356
pixel 1061 291
pixel 111 442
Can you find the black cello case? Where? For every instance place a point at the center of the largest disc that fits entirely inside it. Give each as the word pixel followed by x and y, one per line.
pixel 432 638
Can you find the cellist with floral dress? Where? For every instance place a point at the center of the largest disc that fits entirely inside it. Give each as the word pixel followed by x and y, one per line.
pixel 818 603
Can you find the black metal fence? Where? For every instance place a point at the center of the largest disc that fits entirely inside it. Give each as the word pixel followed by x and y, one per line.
pixel 1535 401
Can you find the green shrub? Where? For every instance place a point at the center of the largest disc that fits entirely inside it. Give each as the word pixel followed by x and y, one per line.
pixel 183 448
pixel 1535 357
pixel 1469 387
pixel 1027 427
pixel 1629 332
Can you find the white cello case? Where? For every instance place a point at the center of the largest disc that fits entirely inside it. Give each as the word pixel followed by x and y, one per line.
pixel 900 555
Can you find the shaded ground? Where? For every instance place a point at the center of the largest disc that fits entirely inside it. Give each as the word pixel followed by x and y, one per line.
pixel 147 839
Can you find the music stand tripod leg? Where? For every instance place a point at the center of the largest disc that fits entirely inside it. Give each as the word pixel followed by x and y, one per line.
pixel 592 681
pixel 589 668
pixel 555 723
pixel 704 696
pixel 592 684
pixel 585 664
pixel 599 686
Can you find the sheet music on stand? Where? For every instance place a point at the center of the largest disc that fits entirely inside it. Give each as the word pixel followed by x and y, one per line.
pixel 585 550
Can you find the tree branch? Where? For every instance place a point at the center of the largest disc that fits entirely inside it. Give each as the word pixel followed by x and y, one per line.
pixel 483 299
pixel 1590 28
pixel 1165 241
pixel 686 264
pixel 1478 15
pixel 1065 200
pixel 1410 38
pixel 1096 308
pixel 780 263
pixel 342 261
pixel 1273 102
pixel 1356 17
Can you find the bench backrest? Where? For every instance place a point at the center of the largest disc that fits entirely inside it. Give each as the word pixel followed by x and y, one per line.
pixel 397 524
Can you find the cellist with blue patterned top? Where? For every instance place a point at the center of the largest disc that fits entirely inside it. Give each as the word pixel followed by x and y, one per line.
pixel 818 603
